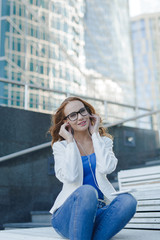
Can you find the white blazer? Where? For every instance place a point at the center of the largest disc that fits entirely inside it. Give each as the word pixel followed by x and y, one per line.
pixel 69 168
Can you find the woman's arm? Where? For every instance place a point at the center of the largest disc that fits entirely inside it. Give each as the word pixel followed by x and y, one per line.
pixel 65 157
pixel 105 159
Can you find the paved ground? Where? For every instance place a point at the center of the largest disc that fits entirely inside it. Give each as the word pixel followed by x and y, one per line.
pixel 47 233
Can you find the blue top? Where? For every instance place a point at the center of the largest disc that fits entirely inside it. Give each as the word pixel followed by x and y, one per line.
pixel 87 174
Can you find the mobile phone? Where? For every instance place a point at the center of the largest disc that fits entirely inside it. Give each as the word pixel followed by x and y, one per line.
pixel 124 191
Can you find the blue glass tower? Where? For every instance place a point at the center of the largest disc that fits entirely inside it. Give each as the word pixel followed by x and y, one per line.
pixel 41 45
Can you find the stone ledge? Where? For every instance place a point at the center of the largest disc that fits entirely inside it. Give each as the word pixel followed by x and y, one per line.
pixel 48 233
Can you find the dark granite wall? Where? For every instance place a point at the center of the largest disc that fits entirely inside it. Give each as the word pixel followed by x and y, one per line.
pixel 21 129
pixel 26 185
pixel 134 147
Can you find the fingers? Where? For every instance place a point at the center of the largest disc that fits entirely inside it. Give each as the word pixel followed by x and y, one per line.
pixel 65 131
pixel 95 116
pixel 94 125
pixel 65 125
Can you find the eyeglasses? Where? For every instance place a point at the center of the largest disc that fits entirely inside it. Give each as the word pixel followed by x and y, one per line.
pixel 74 115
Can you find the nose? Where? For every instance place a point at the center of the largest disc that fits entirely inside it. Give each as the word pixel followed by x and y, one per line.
pixel 79 116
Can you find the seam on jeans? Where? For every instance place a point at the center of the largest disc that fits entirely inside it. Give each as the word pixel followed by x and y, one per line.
pixel 76 209
pixel 75 215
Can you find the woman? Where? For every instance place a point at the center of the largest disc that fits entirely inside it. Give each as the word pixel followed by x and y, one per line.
pixel 85 208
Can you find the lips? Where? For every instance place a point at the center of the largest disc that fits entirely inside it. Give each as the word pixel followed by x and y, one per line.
pixel 82 123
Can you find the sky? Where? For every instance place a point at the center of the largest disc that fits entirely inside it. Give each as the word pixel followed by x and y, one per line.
pixel 138 7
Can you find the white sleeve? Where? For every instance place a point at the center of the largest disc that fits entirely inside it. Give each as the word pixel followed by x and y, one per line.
pixel 65 157
pixel 106 161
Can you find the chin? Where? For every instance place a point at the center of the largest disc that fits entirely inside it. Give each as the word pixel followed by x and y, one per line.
pixel 83 128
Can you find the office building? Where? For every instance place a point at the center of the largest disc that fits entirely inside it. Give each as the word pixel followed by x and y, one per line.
pixel 108 47
pixel 48 47
pixel 41 45
pixel 145 38
pixel 145 31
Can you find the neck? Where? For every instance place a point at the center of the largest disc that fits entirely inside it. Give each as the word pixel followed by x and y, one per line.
pixel 81 137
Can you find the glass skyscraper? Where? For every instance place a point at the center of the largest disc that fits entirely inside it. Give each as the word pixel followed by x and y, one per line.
pixel 53 48
pixel 41 45
pixel 108 45
pixel 108 51
pixel 145 37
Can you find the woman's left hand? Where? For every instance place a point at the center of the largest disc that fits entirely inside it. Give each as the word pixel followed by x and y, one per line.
pixel 94 126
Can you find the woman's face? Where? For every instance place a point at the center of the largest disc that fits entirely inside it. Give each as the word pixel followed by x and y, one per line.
pixel 82 121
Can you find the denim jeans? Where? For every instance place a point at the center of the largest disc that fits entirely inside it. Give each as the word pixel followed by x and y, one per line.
pixel 80 218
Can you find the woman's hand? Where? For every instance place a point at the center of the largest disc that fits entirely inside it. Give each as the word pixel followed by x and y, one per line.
pixel 94 126
pixel 65 132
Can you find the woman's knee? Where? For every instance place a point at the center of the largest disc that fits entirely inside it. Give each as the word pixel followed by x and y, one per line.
pixel 128 201
pixel 131 200
pixel 88 192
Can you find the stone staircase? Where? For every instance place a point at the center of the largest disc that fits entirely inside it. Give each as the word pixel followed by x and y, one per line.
pixel 38 219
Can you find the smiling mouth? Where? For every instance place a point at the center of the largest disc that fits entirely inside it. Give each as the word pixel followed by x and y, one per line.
pixel 82 123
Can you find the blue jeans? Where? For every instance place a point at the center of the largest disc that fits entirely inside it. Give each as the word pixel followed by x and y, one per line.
pixel 80 218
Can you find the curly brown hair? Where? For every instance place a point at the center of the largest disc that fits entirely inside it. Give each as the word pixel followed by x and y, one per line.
pixel 58 119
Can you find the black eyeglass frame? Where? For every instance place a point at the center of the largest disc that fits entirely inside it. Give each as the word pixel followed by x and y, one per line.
pixel 77 114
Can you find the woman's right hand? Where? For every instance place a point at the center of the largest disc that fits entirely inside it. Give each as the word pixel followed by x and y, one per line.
pixel 65 132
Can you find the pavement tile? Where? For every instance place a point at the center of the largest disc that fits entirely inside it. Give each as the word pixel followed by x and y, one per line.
pixel 48 233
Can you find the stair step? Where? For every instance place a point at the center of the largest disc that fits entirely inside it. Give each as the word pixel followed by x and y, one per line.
pixel 40 217
pixel 25 225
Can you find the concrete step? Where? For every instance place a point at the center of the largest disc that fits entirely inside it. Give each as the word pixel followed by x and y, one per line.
pixel 50 234
pixel 40 217
pixel 8 226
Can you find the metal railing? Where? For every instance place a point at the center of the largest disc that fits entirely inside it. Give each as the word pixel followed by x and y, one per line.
pixel 27 86
pixel 45 145
pixel 25 151
pixel 132 118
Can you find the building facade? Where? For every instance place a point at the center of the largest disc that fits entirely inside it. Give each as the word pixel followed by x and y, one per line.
pixel 42 44
pixel 108 46
pixel 145 37
pixel 50 49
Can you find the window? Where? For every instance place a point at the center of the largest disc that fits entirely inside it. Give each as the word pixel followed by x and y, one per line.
pixel 14 9
pixel 19 62
pixel 31 66
pixel 41 69
pixel 53 72
pixel 19 46
pixel 20 11
pixel 32 32
pixel 65 27
pixel 31 49
pixel 13 45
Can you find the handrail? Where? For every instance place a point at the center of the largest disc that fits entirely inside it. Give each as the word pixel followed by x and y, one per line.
pixel 131 118
pixel 44 145
pixel 72 94
pixel 22 152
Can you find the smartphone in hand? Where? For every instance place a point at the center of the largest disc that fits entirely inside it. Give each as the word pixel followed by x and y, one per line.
pixel 124 191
